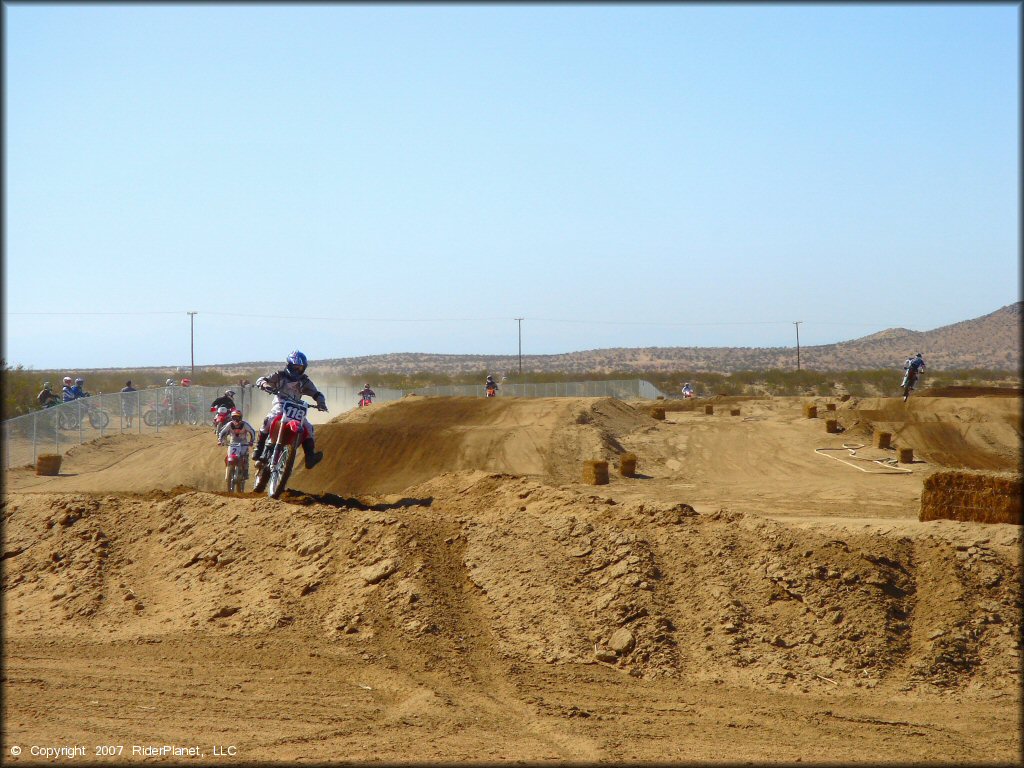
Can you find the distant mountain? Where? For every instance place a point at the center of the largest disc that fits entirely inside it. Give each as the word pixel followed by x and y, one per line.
pixel 992 341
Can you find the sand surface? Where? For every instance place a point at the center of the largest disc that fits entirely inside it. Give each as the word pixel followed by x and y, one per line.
pixel 443 587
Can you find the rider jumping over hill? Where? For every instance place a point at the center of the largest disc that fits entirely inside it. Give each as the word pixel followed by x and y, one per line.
pixel 293 382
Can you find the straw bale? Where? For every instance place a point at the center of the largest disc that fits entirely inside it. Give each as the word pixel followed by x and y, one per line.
pixel 906 455
pixel 658 413
pixel 709 409
pixel 48 464
pixel 831 426
pixel 595 472
pixel 972 496
pixel 883 439
pixel 810 411
pixel 627 464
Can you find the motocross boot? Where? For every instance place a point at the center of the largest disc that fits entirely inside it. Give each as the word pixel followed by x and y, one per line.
pixel 312 457
pixel 261 442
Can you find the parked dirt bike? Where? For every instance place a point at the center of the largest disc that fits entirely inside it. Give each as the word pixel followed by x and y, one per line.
pixel 68 417
pixel 236 467
pixel 165 414
pixel 284 440
pixel 220 418
pixel 909 380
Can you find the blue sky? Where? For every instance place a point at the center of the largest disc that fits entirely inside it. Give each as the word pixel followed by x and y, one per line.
pixel 411 178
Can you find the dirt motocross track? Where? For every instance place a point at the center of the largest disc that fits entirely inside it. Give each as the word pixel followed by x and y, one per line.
pixel 443 587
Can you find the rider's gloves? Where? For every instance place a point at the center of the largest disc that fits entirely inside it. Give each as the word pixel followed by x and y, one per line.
pixel 261 383
pixel 321 401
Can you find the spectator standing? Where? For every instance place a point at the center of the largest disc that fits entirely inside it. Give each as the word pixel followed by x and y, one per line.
pixel 129 402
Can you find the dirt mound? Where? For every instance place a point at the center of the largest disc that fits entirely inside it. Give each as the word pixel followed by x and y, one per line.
pixel 410 441
pixel 965 391
pixel 525 571
pixel 975 432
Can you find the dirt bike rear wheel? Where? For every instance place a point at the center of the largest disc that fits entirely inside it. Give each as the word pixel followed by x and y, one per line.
pixel 281 470
pixel 66 420
pixel 191 417
pixel 261 479
pixel 99 419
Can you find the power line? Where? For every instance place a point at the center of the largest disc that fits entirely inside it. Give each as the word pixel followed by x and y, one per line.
pixel 364 319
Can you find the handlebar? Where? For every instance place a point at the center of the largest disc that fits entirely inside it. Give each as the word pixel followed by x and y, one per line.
pixel 285 396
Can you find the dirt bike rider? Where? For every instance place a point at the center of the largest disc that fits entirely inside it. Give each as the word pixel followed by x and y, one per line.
pixel 227 400
pixel 67 392
pixel 366 393
pixel 687 390
pixel 912 369
pixel 293 382
pixel 46 398
pixel 491 386
pixel 237 430
pixel 78 390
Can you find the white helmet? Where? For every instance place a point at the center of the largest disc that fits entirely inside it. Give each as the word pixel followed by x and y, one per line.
pixel 169 383
pixel 68 381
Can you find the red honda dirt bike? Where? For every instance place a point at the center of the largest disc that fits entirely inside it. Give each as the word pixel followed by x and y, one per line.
pixel 283 443
pixel 221 414
pixel 236 467
pixel 909 380
pixel 365 401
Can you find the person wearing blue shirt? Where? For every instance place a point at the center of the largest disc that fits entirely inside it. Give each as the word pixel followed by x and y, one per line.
pixel 67 392
pixel 79 389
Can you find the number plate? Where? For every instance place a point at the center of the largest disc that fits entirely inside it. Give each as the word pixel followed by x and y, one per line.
pixel 293 410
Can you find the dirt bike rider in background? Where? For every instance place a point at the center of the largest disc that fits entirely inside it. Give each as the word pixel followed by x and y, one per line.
pixel 490 387
pixel 76 391
pixel 227 400
pixel 46 398
pixel 293 382
pixel 687 390
pixel 912 370
pixel 366 394
pixel 67 392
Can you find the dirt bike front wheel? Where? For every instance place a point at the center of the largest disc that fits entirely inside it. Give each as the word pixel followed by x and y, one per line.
pixel 67 420
pixel 281 471
pixel 99 419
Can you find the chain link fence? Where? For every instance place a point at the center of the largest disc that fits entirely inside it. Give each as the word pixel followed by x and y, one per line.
pixel 156 410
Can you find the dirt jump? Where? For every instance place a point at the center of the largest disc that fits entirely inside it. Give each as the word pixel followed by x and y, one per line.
pixel 445 587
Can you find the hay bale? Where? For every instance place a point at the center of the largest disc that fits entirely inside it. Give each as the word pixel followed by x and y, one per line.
pixel 734 411
pixel 832 426
pixel 48 464
pixel 972 496
pixel 627 464
pixel 810 411
pixel 843 398
pixel 658 413
pixel 709 410
pixel 595 472
pixel 830 406
pixel 883 440
pixel 906 455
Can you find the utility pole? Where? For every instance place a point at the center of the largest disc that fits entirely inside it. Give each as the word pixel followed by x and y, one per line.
pixel 192 339
pixel 797 324
pixel 520 321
